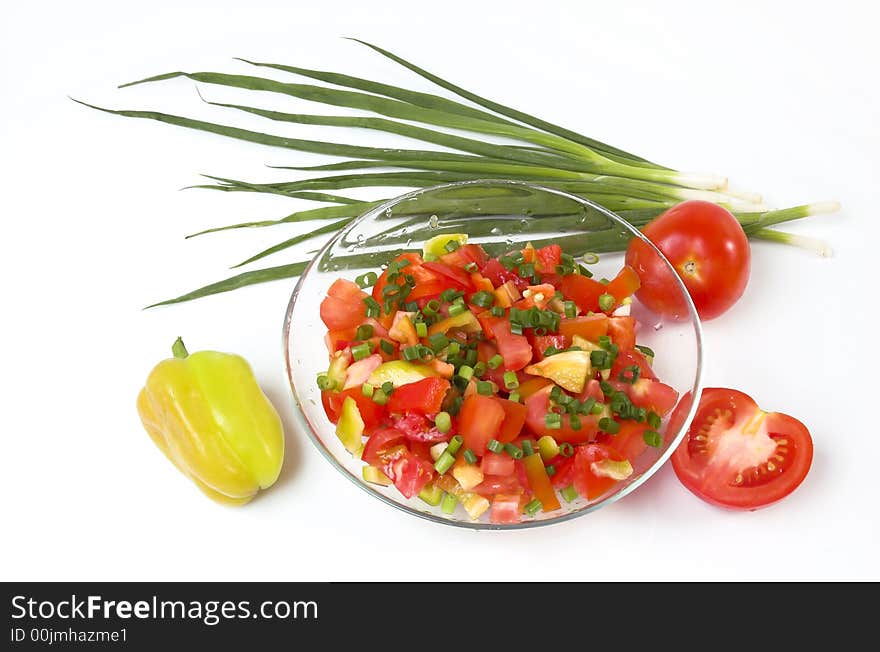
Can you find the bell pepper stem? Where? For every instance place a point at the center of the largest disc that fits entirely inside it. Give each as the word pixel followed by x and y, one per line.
pixel 179 349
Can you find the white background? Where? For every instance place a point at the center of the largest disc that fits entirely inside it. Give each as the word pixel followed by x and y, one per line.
pixel 781 98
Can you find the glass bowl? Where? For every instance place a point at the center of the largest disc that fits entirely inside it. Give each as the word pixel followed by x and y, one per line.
pixel 506 215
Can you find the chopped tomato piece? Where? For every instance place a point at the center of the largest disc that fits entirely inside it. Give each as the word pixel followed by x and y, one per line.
pixel 586 481
pixel 538 406
pixel 467 253
pixel 424 396
pixel 415 261
pixel 633 358
pixel 541 343
pixel 514 420
pixel 547 258
pixel 505 508
pixel 417 428
pixel 629 440
pixel 372 413
pixel 409 472
pixel 497 464
pixel 379 443
pixel 649 394
pixel 532 385
pixel 590 327
pixel 623 285
pixel 343 307
pixel 499 275
pixel 515 349
pixel 455 276
pixel 622 331
pixel 499 484
pixel 479 419
pixel 585 292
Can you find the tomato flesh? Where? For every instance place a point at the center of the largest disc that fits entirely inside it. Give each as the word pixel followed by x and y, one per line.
pixel 738 456
pixel 424 396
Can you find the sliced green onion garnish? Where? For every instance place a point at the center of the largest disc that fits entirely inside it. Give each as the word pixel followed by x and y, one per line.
pixel 444 462
pixel 630 374
pixel 380 397
pixel 654 420
pixel 421 329
pixel 600 360
pixel 533 507
pixel 373 307
pixel 606 387
pixel 431 307
pixel 575 422
pixel 438 341
pixel 325 382
pixel 497 311
pixel 516 329
pixel 571 310
pixel 591 258
pixel 569 493
pixel 514 396
pixel 443 421
pixel 388 387
pixel 367 389
pixel 496 361
pixel 450 295
pixel 412 352
pixel 469 456
pixel 514 451
pixel 495 446
pixel 510 380
pixel 528 448
pixel 447 506
pixel 550 350
pixel 471 357
pixel 566 449
pixel 456 309
pixel 609 425
pixel 645 350
pixel 484 387
pixel 364 332
pixel 526 270
pixel 455 406
pixel 452 245
pixel 587 405
pixel 483 299
pixel 366 280
pixel 471 267
pixel 479 369
pixel 454 347
pixel 550 469
pixel 653 438
pixel 553 421
pixel 466 372
pixel 386 346
pixel 454 444
pixel 360 351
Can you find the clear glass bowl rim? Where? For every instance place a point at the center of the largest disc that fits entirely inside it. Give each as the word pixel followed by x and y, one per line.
pixel 479 525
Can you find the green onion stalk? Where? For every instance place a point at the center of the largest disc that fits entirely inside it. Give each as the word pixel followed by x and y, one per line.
pixel 544 153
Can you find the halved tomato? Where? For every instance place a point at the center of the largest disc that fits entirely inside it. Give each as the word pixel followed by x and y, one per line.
pixel 736 455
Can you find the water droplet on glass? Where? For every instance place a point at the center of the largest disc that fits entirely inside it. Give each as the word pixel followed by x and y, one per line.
pixel 658 325
pixel 409 242
pixel 495 231
pixel 360 238
pixel 388 212
pixel 524 224
pixel 433 222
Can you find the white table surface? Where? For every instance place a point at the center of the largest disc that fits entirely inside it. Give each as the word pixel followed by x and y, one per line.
pixel 782 99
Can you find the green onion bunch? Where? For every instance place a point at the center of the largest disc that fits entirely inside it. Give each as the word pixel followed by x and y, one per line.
pixel 543 153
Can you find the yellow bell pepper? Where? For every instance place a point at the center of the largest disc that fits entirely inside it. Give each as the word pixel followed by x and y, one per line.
pixel 208 415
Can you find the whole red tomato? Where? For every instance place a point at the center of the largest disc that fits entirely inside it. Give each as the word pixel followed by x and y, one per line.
pixel 708 249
